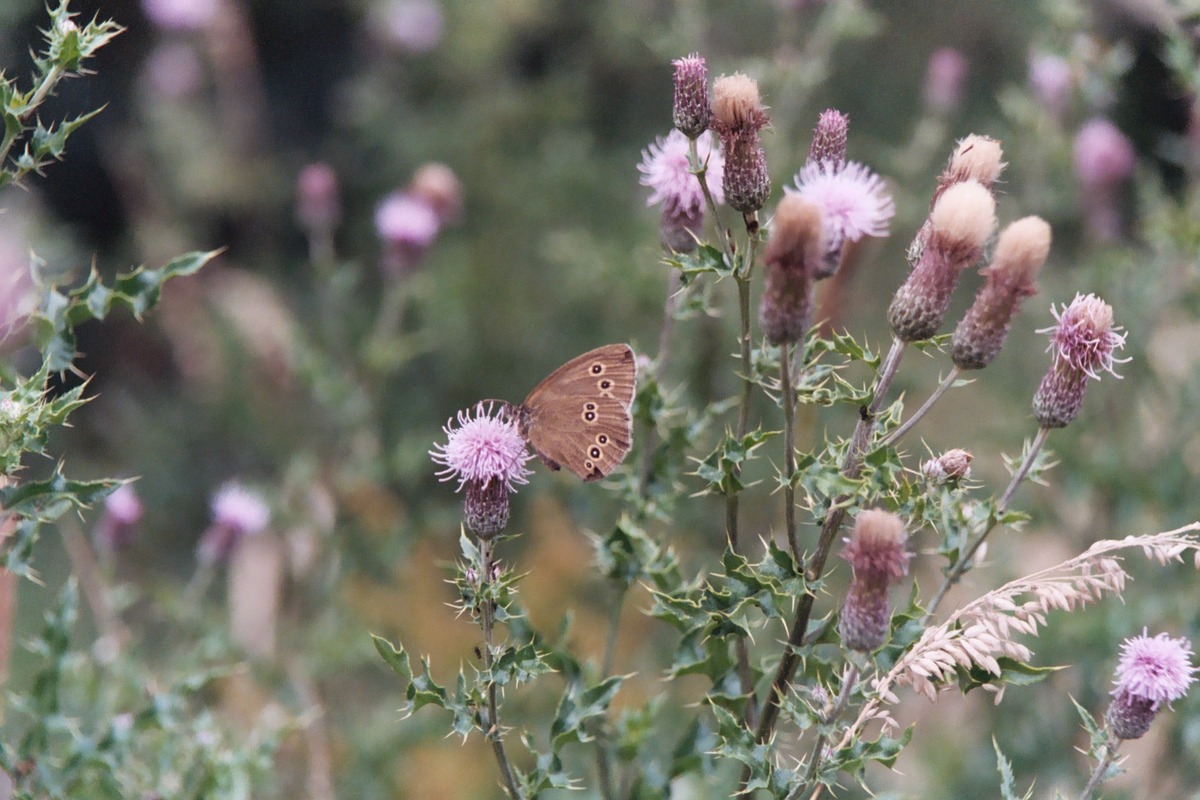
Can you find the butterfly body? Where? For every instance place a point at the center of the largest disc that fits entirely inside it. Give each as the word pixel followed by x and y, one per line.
pixel 579 416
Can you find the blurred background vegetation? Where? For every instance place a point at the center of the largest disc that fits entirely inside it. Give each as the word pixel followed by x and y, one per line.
pixel 323 381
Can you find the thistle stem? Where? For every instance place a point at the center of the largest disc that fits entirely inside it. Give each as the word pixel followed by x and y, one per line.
pixel 908 424
pixel 491 728
pixel 849 681
pixel 789 450
pixel 964 560
pixel 1110 752
pixel 851 467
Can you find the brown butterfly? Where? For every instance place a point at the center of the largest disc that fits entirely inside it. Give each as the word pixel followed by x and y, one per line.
pixel 578 417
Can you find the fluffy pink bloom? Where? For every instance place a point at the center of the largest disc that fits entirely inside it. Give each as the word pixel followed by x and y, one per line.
pixel 944 79
pixel 244 510
pixel 854 201
pixel 1103 155
pixel 666 171
pixel 1085 337
pixel 483 446
pixel 1157 669
pixel 403 219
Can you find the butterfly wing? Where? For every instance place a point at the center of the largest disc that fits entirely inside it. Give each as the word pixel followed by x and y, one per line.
pixel 578 417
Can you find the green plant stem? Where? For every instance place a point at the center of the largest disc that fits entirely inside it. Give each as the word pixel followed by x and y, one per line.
pixel 851 467
pixel 39 95
pixel 491 729
pixel 789 451
pixel 849 681
pixel 1110 752
pixel 908 424
pixel 964 560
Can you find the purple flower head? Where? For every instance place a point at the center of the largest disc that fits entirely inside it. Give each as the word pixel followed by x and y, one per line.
pixel 1103 155
pixel 181 15
pixel 854 201
pixel 318 205
pixel 693 108
pixel 666 171
pixel 1158 669
pixel 123 506
pixel 244 510
pixel 413 26
pixel 944 79
pixel 117 525
pixel 484 446
pixel 1052 82
pixel 404 219
pixel 1085 337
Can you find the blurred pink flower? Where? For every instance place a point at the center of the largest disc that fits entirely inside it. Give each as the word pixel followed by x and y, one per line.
pixel 945 79
pixel 1103 155
pixel 237 512
pixel 665 169
pixel 1052 82
pixel 406 220
pixel 318 205
pixel 122 512
pixel 181 15
pixel 174 71
pixel 413 26
pixel 854 201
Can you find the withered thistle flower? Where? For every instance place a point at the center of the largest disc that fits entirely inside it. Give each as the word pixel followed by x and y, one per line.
pixel 1152 672
pixel 975 158
pixel 693 109
pixel 951 466
pixel 829 138
pixel 876 552
pixel 738 116
pixel 958 227
pixel 794 250
pixel 487 455
pixel 1083 343
pixel 1021 251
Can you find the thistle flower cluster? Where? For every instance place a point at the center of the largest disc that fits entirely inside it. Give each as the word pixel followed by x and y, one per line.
pixel 485 453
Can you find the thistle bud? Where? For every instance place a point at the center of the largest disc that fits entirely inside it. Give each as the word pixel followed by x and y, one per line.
pixel 1152 672
pixel 951 466
pixel 945 77
pixel 794 250
pixel 829 138
pixel 318 204
pixel 958 227
pixel 876 552
pixel 975 158
pixel 693 109
pixel 1021 251
pixel 1083 343
pixel 738 116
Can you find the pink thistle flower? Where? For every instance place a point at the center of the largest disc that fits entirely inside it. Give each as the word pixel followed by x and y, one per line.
pixel 1083 343
pixel 237 507
pixel 487 454
pixel 1052 81
pixel 1151 672
pixel 181 15
pixel 122 512
pixel 484 446
pixel 237 512
pixel 413 26
pixel 945 78
pixel 1103 155
pixel 1085 336
pixel 877 554
pixel 407 224
pixel 666 171
pixel 854 201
